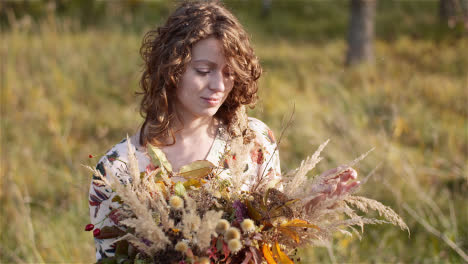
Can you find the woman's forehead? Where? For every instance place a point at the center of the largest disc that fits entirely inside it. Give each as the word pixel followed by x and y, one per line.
pixel 210 51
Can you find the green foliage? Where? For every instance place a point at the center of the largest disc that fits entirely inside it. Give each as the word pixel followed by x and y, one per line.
pixel 68 92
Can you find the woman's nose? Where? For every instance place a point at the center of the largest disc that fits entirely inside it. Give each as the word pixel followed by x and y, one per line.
pixel 217 81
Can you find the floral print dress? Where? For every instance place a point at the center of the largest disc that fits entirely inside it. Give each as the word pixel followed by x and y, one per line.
pixel 264 160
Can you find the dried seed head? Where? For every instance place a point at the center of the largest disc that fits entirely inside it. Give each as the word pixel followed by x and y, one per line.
pixel 232 233
pixel 181 246
pixel 176 202
pixel 234 245
pixel 222 226
pixel 248 225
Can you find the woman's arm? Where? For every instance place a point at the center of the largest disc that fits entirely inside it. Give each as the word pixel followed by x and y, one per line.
pixel 103 212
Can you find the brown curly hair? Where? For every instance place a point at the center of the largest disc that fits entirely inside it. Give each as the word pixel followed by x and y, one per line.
pixel 166 51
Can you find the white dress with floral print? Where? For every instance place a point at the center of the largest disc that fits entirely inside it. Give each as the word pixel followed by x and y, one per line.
pixel 264 160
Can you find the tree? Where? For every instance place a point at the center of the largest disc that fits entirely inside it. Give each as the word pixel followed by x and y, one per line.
pixel 361 32
pixel 452 11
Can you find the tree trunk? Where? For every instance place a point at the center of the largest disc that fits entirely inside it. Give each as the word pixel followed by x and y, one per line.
pixel 361 32
pixel 266 7
pixel 447 12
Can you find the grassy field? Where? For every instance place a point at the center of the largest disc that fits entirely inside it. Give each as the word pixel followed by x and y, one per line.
pixel 67 92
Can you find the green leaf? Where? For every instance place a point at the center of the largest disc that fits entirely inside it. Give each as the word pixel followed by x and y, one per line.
pixel 139 259
pixel 219 244
pixel 110 260
pixel 121 248
pixel 197 169
pixel 252 212
pixel 159 158
pixel 179 189
pixel 117 199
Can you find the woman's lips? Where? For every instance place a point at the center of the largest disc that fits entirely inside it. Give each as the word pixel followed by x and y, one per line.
pixel 212 101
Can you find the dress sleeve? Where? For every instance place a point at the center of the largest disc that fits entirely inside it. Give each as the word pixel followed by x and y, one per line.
pixel 103 212
pixel 265 155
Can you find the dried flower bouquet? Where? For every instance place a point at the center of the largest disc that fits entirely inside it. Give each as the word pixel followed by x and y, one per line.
pixel 208 220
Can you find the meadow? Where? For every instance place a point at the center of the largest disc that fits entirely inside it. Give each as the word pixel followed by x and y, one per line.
pixel 68 91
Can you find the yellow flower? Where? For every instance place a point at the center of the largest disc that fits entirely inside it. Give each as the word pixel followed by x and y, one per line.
pixel 176 202
pixel 248 225
pixel 234 245
pixel 204 260
pixel 222 226
pixel 181 246
pixel 232 233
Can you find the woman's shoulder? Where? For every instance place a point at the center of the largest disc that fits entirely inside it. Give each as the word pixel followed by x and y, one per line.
pixel 116 158
pixel 261 130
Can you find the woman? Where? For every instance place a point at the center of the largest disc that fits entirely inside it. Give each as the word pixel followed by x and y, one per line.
pixel 200 73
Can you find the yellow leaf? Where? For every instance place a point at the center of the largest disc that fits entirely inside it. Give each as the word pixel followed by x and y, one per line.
pixel 159 158
pixel 192 182
pixel 291 233
pixel 197 169
pixel 163 188
pixel 299 223
pixel 284 259
pixel 267 254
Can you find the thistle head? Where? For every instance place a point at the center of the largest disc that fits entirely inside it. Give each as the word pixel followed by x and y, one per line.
pixel 222 226
pixel 176 202
pixel 232 233
pixel 181 246
pixel 248 225
pixel 235 245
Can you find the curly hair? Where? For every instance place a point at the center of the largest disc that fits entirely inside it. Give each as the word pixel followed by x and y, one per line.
pixel 166 51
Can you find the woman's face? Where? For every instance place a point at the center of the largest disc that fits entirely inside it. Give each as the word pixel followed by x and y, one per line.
pixel 206 82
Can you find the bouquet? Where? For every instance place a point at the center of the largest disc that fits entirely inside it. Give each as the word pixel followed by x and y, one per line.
pixel 205 219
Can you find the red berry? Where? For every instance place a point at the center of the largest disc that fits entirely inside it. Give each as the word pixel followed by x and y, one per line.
pixel 96 232
pixel 89 227
pixel 90 156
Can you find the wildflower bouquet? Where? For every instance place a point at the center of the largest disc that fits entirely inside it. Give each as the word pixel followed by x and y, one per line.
pixel 205 219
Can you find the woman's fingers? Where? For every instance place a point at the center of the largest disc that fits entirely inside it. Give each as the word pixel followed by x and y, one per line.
pixel 348 174
pixel 332 172
pixel 340 184
pixel 343 187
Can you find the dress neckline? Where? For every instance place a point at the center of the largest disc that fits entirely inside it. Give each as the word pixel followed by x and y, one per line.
pixel 214 154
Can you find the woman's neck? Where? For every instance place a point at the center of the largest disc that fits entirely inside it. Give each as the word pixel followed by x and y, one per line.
pixel 196 127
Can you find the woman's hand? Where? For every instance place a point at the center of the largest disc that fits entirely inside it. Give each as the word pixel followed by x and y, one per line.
pixel 338 184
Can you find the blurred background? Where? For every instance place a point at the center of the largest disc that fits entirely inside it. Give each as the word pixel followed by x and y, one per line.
pixel 383 74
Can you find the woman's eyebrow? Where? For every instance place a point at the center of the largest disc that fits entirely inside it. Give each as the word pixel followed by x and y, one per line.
pixel 210 63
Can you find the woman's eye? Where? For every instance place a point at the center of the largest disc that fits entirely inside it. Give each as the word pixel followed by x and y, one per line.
pixel 203 72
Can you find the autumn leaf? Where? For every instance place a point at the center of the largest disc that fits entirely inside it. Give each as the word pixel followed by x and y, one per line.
pixel 196 170
pixel 193 182
pixel 289 232
pixel 159 158
pixel 267 254
pixel 252 212
pixel 284 259
pixel 299 223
